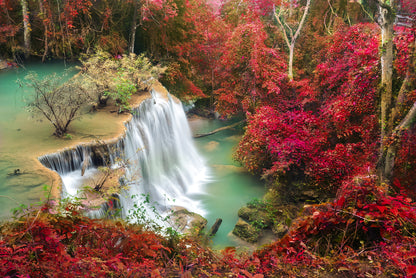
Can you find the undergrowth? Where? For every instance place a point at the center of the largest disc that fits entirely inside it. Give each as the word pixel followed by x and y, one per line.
pixel 364 232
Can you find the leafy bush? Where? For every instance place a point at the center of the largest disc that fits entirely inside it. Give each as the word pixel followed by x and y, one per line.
pixel 118 77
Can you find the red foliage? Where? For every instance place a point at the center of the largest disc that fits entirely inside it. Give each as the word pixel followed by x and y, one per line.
pixel 364 230
pixel 73 246
pixel 328 133
pixel 405 164
pixel 73 9
pixel 250 73
pixel 402 40
pixel 280 141
pixel 42 244
pixel 7 29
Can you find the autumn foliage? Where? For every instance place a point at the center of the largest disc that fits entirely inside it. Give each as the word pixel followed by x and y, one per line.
pixel 46 244
pixel 362 232
pixel 321 129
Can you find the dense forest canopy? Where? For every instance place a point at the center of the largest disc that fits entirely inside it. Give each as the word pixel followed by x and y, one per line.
pixel 328 90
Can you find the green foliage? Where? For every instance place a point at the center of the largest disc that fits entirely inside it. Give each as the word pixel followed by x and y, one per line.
pixel 145 213
pixel 122 94
pixel 262 214
pixel 118 77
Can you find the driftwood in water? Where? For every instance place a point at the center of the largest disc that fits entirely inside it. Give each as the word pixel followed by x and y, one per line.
pixel 16 172
pixel 218 130
pixel 215 227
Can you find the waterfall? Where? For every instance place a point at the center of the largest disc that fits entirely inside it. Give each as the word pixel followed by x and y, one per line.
pixel 162 160
pixel 157 154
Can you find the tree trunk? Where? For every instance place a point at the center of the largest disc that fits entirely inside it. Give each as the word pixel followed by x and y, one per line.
pixel 45 31
pixel 386 22
pixel 26 28
pixel 219 129
pixel 133 28
pixel 288 35
pixel 387 153
pixel 291 50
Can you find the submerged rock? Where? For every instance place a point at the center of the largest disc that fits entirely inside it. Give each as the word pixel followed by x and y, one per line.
pixel 211 146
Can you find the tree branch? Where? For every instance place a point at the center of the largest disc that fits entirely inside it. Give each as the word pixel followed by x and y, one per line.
pixel 218 129
pixel 302 21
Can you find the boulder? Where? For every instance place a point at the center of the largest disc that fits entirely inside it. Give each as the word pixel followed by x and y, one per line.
pixel 187 222
pixel 280 229
pixel 246 231
pixel 255 214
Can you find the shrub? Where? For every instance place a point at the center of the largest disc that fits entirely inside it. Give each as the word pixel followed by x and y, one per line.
pixel 58 100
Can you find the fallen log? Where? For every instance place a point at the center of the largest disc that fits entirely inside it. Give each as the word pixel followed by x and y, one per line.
pixel 218 130
pixel 215 227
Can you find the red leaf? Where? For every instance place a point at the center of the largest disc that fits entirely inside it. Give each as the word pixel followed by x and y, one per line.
pixel 381 208
pixel 410 270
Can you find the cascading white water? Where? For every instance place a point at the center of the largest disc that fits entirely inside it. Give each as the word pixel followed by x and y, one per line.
pixel 157 153
pixel 69 166
pixel 161 158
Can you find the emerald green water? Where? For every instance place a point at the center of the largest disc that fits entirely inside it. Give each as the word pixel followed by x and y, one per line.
pixel 23 138
pixel 18 132
pixel 231 187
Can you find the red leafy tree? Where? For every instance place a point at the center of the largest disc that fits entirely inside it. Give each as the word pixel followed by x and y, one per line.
pixel 7 28
pixel 347 82
pixel 250 72
pixel 276 142
pixel 325 135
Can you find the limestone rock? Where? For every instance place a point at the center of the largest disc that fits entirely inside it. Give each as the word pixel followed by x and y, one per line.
pixel 187 222
pixel 246 231
pixel 255 214
pixel 280 229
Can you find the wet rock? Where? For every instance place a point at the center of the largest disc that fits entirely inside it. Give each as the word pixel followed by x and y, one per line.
pixel 187 222
pixel 211 146
pixel 280 229
pixel 256 215
pixel 308 195
pixel 246 231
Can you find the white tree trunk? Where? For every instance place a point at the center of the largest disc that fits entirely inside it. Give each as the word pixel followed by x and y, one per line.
pixel 26 28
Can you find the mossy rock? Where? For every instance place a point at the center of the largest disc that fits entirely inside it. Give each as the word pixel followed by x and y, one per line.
pixel 246 231
pixel 257 215
pixel 280 229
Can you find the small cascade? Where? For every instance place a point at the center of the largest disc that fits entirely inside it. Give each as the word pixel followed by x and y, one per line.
pixel 76 166
pixel 66 161
pixel 157 154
